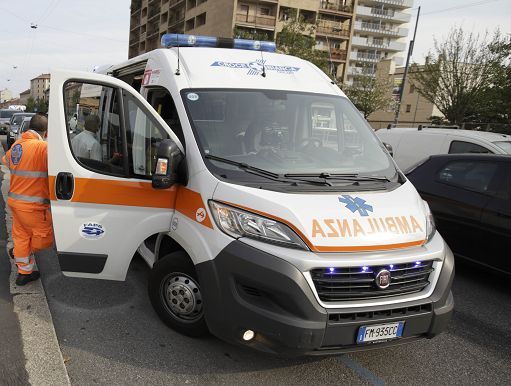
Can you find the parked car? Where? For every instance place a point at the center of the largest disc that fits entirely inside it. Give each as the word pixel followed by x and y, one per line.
pixel 411 145
pixel 470 197
pixel 14 126
pixel 23 127
pixel 5 117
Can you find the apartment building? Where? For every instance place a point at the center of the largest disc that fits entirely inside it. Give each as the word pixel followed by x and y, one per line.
pixel 379 33
pixel 260 19
pixel 415 109
pixel 39 85
pixel 5 95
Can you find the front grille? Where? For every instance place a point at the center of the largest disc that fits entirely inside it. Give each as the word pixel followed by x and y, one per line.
pixel 355 283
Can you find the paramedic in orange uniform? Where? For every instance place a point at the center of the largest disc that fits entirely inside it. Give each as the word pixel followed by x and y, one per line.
pixel 29 197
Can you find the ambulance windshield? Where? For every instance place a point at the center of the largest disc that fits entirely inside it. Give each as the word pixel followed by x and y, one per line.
pixel 286 133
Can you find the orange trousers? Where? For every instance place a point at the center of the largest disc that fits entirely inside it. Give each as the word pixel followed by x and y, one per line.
pixel 31 232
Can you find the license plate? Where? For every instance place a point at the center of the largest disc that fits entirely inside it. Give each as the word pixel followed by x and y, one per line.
pixel 380 332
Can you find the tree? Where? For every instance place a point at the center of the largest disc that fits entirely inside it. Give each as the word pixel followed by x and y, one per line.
pixel 297 39
pixel 369 94
pixel 42 106
pixel 30 105
pixel 458 72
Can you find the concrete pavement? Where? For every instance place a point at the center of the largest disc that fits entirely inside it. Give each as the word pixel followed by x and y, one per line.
pixel 43 362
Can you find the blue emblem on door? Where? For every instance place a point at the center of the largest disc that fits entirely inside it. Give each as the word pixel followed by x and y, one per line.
pixel 16 153
pixel 356 204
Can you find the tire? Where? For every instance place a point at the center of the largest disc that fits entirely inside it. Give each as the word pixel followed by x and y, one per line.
pixel 175 294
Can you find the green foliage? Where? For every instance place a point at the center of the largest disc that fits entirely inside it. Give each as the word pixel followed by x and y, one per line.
pixel 252 34
pixel 461 73
pixel 369 94
pixel 42 106
pixel 297 39
pixel 30 105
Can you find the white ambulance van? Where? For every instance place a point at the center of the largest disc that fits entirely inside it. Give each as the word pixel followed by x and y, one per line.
pixel 269 213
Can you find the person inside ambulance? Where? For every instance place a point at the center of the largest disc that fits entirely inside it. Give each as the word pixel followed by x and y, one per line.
pixel 29 198
pixel 85 145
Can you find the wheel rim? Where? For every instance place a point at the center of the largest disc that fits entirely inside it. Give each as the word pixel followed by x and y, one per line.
pixel 181 297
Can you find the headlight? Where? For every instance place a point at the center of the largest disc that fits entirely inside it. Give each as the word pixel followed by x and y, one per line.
pixel 239 223
pixel 430 222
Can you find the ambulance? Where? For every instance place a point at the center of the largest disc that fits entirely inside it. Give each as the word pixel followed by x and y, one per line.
pixel 269 213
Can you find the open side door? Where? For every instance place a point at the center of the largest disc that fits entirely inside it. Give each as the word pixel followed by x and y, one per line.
pixel 100 167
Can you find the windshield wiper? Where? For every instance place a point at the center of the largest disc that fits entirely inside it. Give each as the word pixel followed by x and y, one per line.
pixel 264 173
pixel 345 177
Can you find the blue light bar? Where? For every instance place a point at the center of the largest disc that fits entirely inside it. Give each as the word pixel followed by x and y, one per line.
pixel 183 40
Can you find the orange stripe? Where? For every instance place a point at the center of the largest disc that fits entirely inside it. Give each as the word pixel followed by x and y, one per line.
pixel 189 202
pixel 319 248
pixel 142 194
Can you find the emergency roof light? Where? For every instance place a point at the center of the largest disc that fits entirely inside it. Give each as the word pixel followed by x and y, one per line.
pixel 183 40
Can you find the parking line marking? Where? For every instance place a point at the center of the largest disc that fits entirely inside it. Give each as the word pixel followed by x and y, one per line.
pixel 360 370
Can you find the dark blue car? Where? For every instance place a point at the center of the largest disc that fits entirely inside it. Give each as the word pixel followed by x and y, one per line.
pixel 470 197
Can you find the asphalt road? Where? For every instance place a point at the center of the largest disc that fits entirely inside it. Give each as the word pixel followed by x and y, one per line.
pixel 109 334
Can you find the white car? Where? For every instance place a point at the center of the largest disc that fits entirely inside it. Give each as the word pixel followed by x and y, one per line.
pixel 411 145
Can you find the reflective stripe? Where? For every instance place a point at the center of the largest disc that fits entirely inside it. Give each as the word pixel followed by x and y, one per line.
pixel 26 173
pixel 22 260
pixel 22 197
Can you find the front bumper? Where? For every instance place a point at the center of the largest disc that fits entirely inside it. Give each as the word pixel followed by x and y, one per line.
pixel 246 288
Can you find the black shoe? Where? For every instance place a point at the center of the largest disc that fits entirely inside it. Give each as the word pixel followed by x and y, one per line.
pixel 11 253
pixel 24 279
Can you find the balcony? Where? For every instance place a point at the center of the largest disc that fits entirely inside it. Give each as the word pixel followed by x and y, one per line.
pixel 256 21
pixel 385 14
pixel 365 57
pixel 378 29
pixel 357 41
pixel 338 55
pixel 335 8
pixel 354 71
pixel 332 29
pixel 400 4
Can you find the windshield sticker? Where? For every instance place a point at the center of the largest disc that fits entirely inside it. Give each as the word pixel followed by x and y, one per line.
pixel 329 227
pixel 256 68
pixel 192 96
pixel 92 231
pixel 151 77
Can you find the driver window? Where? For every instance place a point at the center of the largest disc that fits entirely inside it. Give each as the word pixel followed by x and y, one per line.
pixel 143 137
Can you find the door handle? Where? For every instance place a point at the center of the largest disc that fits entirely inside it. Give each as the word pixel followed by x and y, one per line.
pixel 64 186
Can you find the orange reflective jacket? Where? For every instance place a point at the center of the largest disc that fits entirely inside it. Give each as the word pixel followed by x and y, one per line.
pixel 27 160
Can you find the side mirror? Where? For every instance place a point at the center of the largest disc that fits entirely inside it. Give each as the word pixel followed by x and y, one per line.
pixel 168 159
pixel 388 146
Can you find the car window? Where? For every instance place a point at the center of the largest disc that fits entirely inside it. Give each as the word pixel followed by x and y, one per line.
pixel 466 147
pixel 471 175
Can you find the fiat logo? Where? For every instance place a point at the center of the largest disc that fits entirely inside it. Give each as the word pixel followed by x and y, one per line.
pixel 382 279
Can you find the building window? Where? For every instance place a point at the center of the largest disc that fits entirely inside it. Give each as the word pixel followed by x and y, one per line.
pixel 264 11
pixel 201 19
pixel 408 108
pixel 412 88
pixel 190 24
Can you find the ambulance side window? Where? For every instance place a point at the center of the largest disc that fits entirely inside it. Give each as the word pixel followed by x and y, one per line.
pixel 163 103
pixel 144 136
pixel 93 126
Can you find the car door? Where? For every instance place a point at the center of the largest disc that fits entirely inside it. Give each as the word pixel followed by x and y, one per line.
pixel 102 201
pixel 496 223
pixel 457 190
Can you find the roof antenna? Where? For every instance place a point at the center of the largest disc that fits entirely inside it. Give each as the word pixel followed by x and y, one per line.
pixel 263 74
pixel 330 63
pixel 178 72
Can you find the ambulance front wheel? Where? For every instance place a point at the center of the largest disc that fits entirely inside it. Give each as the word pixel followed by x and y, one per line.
pixel 176 296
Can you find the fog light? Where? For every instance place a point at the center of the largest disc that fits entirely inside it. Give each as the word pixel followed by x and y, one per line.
pixel 248 335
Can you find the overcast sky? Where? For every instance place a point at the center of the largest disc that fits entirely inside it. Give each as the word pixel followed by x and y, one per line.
pixel 79 34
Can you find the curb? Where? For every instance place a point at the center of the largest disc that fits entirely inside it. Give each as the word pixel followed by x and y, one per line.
pixel 44 361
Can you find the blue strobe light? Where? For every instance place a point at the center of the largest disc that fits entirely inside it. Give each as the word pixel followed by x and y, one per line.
pixel 184 40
